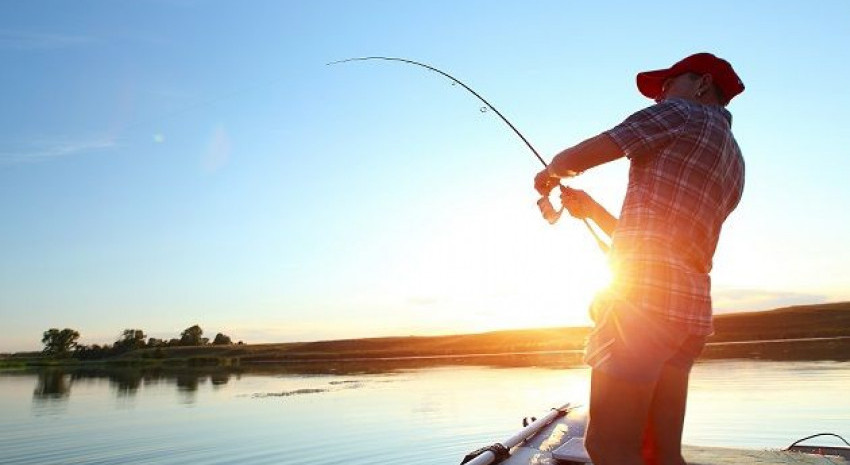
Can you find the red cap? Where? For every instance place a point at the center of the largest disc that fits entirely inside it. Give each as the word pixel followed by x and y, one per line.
pixel 650 82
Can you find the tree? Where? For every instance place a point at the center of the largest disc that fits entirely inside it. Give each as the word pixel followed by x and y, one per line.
pixel 192 336
pixel 59 343
pixel 131 339
pixel 93 352
pixel 222 340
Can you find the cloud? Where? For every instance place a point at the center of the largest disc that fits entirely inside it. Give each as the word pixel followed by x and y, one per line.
pixel 50 149
pixel 19 40
pixel 730 300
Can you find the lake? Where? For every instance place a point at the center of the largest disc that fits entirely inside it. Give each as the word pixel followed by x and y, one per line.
pixel 432 415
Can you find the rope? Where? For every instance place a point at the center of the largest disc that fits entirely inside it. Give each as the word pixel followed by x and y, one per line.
pixel 817 435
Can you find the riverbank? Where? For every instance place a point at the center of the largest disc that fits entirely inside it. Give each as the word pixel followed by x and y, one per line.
pixel 812 332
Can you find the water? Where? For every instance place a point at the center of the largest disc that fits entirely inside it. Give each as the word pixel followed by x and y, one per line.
pixel 369 416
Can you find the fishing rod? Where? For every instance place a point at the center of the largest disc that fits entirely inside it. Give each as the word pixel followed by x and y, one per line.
pixel 549 213
pixel 501 450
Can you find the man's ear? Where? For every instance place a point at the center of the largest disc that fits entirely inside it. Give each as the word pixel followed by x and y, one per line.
pixel 705 83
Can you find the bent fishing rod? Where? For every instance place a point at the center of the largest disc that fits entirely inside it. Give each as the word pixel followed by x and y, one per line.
pixel 549 213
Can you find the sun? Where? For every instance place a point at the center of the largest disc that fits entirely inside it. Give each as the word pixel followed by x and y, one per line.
pixel 484 270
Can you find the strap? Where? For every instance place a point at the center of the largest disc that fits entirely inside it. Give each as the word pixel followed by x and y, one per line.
pixel 499 451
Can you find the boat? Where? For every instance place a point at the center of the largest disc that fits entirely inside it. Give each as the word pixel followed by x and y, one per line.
pixel 557 438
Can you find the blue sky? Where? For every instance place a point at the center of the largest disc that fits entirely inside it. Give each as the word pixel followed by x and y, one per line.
pixel 167 163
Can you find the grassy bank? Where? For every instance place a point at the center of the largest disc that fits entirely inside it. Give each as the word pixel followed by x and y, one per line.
pixel 803 321
pixel 760 331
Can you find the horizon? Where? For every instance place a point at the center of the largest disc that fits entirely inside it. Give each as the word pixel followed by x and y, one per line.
pixel 438 335
pixel 178 162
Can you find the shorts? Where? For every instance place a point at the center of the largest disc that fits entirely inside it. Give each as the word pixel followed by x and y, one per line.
pixel 635 345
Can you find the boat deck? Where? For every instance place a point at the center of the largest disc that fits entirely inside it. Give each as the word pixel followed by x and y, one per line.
pixel 722 456
pixel 540 449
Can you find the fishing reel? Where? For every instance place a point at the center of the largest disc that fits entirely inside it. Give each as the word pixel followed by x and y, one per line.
pixel 578 210
pixel 552 215
pixel 548 210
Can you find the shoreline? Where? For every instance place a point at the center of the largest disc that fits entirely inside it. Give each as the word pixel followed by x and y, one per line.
pixel 812 332
pixel 803 349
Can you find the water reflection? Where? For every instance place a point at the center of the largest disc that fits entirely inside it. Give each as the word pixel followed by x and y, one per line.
pixel 188 382
pixel 125 382
pixel 132 415
pixel 55 384
pixel 220 379
pixel 52 384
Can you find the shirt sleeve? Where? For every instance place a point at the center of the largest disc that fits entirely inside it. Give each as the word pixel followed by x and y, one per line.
pixel 650 129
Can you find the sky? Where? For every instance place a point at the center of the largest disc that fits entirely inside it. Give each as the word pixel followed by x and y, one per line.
pixel 167 163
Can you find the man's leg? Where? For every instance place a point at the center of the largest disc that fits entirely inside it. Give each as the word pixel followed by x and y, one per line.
pixel 663 444
pixel 619 410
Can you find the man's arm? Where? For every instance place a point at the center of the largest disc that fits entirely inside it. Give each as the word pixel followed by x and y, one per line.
pixel 604 219
pixel 581 205
pixel 572 161
pixel 588 154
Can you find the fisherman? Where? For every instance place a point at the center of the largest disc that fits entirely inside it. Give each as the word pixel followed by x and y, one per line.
pixel 686 176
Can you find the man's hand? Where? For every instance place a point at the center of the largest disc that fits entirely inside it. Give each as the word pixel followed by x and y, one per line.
pixel 578 203
pixel 544 182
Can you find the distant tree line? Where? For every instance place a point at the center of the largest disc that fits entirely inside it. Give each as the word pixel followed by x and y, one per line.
pixel 63 343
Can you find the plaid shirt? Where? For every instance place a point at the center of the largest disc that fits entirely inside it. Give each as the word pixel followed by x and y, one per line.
pixel 686 177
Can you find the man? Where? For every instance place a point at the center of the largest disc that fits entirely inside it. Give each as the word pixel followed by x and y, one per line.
pixel 686 175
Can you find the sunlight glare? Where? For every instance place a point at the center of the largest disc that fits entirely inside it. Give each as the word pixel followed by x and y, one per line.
pixel 486 271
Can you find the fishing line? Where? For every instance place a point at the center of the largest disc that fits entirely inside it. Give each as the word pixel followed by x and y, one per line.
pixel 544 204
